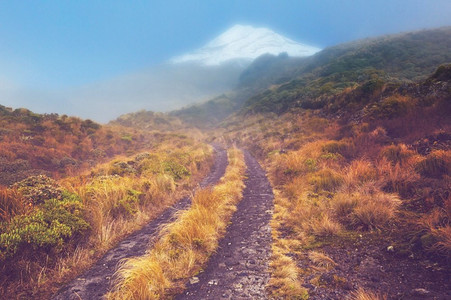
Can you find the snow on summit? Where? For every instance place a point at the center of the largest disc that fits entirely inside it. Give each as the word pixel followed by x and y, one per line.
pixel 245 42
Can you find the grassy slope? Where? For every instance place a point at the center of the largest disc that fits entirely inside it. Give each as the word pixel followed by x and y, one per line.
pixel 60 146
pixel 277 83
pixel 51 230
pixel 379 167
pixel 392 59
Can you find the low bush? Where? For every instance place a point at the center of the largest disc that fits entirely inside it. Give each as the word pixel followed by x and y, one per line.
pixel 46 228
pixel 37 189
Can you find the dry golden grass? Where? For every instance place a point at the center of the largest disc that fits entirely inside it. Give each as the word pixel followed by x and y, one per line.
pixel 360 171
pixel 398 178
pixel 324 225
pixel 362 294
pixel 375 210
pixel 321 260
pixel 284 282
pixel 341 178
pixel 343 204
pixel 185 244
pixel 11 204
pixel 436 165
pixel 318 195
pixel 325 180
pixel 437 230
pixel 397 153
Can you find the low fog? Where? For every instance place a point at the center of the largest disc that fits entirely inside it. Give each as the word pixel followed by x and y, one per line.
pixel 163 88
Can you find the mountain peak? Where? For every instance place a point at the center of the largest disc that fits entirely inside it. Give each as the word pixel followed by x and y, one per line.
pixel 244 42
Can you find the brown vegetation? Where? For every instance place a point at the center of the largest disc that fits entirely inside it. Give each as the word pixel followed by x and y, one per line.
pixel 383 168
pixel 51 230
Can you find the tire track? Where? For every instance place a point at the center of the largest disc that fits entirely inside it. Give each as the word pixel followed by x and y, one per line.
pixel 239 268
pixel 95 282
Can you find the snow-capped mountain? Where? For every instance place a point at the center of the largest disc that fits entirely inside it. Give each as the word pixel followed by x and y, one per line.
pixel 245 43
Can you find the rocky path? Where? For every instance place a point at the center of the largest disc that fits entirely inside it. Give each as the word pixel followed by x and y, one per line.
pixel 239 268
pixel 95 282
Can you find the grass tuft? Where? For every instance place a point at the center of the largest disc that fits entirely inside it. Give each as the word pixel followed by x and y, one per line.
pixel 361 294
pixel 321 260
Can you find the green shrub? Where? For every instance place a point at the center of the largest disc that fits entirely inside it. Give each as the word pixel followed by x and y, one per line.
pixel 122 168
pixel 37 189
pixel 128 205
pixel 176 170
pixel 310 164
pixel 47 227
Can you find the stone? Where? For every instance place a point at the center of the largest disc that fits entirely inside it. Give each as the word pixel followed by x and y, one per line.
pixel 420 292
pixel 194 280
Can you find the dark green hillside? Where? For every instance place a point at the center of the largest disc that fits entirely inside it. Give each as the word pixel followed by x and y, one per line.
pixel 398 59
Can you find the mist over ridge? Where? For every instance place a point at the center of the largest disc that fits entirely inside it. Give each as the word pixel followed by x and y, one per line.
pixel 184 80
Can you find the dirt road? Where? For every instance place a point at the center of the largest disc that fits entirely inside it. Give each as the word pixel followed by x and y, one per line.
pixel 95 282
pixel 239 268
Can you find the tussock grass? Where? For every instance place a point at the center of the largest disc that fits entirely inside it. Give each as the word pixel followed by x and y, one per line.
pixel 11 204
pixel 396 153
pixel 360 171
pixel 285 280
pixel 435 165
pixel 321 260
pixel 325 180
pixel 374 211
pixel 323 190
pixel 186 244
pixel 436 230
pixel 361 294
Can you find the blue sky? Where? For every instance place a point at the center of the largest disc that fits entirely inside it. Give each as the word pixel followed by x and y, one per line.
pixel 53 44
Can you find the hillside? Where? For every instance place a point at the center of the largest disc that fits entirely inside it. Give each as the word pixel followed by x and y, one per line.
pixel 70 189
pixel 51 144
pixel 276 83
pixel 394 59
pixel 361 184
